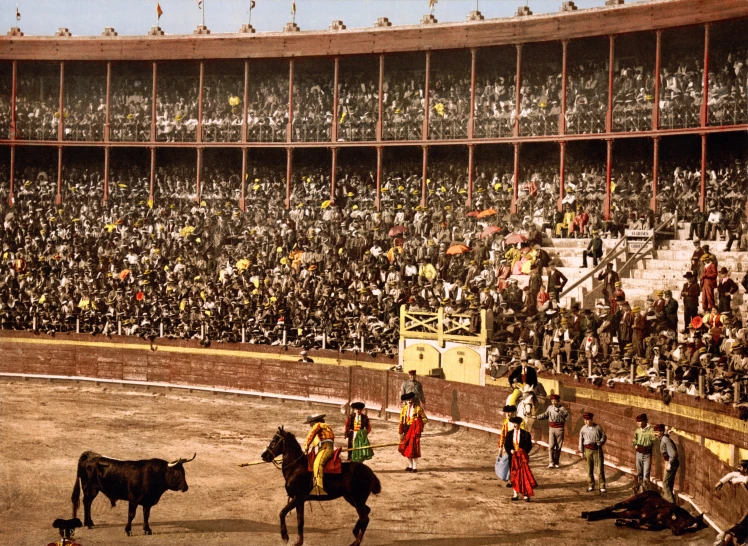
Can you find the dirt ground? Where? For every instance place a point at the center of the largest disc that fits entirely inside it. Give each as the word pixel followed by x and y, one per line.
pixel 455 499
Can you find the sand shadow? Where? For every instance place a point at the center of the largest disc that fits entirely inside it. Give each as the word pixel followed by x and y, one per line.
pixel 503 538
pixel 228 526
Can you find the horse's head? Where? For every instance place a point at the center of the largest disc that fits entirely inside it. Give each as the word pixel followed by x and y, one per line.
pixel 275 447
pixel 681 522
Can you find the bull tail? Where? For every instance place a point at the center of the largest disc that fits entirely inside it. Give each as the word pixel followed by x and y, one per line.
pixel 76 498
pixel 376 486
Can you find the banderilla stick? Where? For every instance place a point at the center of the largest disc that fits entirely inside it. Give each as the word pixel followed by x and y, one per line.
pixel 242 465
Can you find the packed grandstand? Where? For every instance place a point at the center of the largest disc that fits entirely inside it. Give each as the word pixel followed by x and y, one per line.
pixel 311 247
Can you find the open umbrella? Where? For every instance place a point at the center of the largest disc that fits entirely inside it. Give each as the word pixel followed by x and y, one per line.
pixel 458 249
pixel 490 230
pixel 486 213
pixel 397 230
pixel 514 238
pixel 473 214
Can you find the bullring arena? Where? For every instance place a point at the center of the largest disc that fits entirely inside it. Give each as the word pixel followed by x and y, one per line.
pixel 208 236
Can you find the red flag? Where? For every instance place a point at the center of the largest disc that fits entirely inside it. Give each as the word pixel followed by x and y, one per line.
pixel 252 5
pixel 159 11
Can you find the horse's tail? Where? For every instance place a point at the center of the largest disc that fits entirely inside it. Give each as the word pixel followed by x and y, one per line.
pixel 376 486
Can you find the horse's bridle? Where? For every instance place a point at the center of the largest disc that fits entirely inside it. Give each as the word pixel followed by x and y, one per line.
pixel 282 438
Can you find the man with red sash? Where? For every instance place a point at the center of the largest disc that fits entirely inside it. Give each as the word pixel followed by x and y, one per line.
pixel 518 444
pixel 412 420
pixel 708 282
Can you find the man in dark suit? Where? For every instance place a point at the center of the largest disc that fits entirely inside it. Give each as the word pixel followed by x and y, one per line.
pixel 594 249
pixel 518 444
pixel 609 278
pixel 690 295
pixel 524 374
pixel 556 281
pixel 670 310
pixel 726 287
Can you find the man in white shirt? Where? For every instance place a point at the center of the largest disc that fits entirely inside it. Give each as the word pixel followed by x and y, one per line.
pixel 738 533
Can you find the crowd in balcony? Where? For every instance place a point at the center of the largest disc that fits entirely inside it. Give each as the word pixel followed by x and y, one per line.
pixel 328 269
pixel 681 96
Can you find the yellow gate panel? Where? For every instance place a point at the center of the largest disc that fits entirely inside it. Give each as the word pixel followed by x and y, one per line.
pixel 462 364
pixel 420 357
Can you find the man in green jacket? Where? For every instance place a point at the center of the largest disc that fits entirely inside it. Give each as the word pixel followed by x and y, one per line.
pixel 644 439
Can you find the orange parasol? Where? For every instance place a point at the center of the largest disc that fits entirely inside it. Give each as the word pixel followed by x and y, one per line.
pixel 490 230
pixel 397 230
pixel 514 238
pixel 486 213
pixel 458 249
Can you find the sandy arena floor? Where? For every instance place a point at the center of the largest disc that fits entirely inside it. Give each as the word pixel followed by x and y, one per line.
pixel 455 499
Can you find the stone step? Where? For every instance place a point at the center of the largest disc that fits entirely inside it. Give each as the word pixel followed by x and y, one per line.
pixel 580 244
pixel 657 274
pixel 684 244
pixel 734 266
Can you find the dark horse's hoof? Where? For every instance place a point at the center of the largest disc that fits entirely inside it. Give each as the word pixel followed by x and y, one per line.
pixel 147 532
pixel 620 523
pixel 585 515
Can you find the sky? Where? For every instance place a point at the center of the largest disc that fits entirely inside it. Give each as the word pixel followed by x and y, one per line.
pixel 134 17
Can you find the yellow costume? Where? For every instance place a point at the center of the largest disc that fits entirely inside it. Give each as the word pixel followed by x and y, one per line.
pixel 568 219
pixel 322 437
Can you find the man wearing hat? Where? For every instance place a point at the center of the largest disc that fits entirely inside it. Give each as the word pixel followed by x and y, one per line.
pixel 357 430
pixel 639 327
pixel 738 533
pixel 698 253
pixel 708 282
pixel 322 437
pixel 726 288
pixel 644 439
pixel 617 296
pixel 557 416
pixel 410 427
pixel 510 411
pixel 525 374
pixel 591 441
pixel 609 279
pixel 517 445
pixel 670 310
pixel 690 296
pixel 413 385
pixel 594 249
pixel 556 281
pixel 305 357
pixel 670 455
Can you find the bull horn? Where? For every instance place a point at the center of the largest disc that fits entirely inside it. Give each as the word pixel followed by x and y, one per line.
pixel 182 461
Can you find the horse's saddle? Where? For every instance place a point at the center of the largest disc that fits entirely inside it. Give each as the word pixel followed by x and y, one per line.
pixel 333 466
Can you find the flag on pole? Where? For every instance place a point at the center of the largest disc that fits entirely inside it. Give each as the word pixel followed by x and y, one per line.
pixel 432 4
pixel 159 11
pixel 293 9
pixel 199 4
pixel 252 5
pixel 18 14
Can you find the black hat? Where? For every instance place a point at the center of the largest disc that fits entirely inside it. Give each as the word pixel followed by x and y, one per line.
pixel 408 396
pixel 516 420
pixel 358 405
pixel 510 409
pixel 315 419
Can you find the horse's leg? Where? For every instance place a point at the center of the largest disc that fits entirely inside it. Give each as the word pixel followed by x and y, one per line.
pixel 361 524
pixel 300 522
pixel 286 509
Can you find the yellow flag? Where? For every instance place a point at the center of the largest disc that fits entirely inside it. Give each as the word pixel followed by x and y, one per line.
pixel 293 9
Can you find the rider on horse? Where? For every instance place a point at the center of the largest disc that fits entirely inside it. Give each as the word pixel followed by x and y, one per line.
pixel 322 437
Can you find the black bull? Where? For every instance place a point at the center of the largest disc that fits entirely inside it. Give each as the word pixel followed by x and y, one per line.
pixel 651 512
pixel 137 482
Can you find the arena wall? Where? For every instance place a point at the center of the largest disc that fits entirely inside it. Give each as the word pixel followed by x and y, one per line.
pixel 339 379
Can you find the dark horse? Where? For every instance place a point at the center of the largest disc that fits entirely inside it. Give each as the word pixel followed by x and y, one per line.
pixel 649 511
pixel 354 484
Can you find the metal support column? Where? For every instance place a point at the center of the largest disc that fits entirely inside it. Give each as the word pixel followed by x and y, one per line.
pixel 424 187
pixel 107 114
pixel 608 167
pixel 11 198
pixel 658 69
pixel 242 199
pixel 564 78
pixel 245 98
pixel 426 99
pixel 380 116
pixel 335 101
pixel 471 174
pixel 562 176
pixel 152 183
pixel 515 179
pixel 611 75
pixel 289 173
pixel 517 98
pixel 198 174
pixel 153 104
pixel 332 177
pixel 105 196
pixel 655 172
pixel 199 135
pixel 61 117
pixel 289 127
pixel 471 119
pixel 705 85
pixel 702 186
pixel 58 197
pixel 13 101
pixel 378 200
